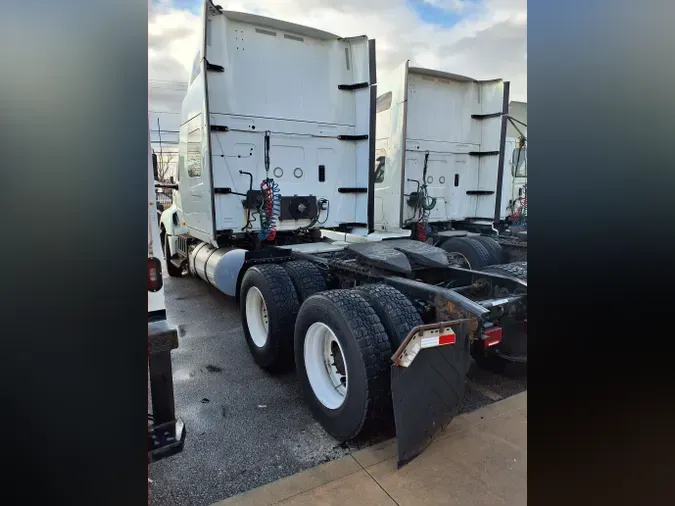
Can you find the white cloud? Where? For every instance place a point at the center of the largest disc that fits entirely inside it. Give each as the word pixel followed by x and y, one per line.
pixel 489 41
pixel 172 43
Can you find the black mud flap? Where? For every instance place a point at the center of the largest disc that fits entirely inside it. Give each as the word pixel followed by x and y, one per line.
pixel 428 393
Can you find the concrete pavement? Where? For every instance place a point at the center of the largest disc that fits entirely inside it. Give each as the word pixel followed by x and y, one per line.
pixel 480 459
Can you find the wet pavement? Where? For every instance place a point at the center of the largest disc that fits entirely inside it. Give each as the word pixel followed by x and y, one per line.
pixel 245 427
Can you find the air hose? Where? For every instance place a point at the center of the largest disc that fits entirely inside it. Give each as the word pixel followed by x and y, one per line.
pixel 520 213
pixel 271 206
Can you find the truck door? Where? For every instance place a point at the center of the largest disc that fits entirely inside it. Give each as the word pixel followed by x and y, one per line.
pixel 193 180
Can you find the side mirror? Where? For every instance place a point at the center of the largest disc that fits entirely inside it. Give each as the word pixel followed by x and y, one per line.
pixel 171 179
pixel 155 171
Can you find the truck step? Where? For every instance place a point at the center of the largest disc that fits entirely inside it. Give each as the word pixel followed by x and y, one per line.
pixel 178 262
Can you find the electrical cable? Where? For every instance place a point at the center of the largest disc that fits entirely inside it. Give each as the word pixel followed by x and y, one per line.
pixel 271 201
pixel 327 202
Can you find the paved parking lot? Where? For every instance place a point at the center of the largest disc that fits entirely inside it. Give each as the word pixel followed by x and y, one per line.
pixel 246 428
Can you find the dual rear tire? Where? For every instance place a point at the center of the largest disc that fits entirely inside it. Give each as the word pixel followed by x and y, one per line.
pixel 473 252
pixel 339 336
pixel 270 298
pixel 341 341
pixel 269 305
pixel 516 270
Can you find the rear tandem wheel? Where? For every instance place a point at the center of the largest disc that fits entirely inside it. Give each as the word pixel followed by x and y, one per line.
pixel 467 252
pixel 493 247
pixel 396 312
pixel 516 270
pixel 268 305
pixel 306 277
pixel 342 355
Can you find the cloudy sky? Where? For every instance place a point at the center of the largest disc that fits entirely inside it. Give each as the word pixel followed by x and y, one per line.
pixel 479 38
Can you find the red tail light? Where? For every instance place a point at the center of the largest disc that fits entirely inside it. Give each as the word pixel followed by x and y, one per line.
pixel 154 274
pixel 492 336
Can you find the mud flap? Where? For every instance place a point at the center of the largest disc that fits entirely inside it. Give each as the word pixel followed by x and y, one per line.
pixel 428 390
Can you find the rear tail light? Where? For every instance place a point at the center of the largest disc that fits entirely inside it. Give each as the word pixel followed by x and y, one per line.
pixel 154 274
pixel 492 336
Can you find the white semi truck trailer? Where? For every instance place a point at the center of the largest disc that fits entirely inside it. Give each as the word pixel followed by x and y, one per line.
pixel 277 146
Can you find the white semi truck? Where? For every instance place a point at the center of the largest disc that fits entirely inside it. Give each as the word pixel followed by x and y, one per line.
pixel 277 145
pixel 444 165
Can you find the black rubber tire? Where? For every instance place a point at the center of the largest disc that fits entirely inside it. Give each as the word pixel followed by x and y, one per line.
pixel 282 304
pixel 396 312
pixel 516 270
pixel 306 277
pixel 367 354
pixel 472 250
pixel 172 270
pixel 493 247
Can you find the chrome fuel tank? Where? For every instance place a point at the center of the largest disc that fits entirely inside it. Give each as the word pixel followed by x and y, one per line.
pixel 219 267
